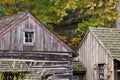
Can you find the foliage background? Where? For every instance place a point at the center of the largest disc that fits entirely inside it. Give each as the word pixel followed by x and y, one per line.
pixel 68 19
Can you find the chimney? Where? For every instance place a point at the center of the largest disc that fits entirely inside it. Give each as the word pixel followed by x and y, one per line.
pixel 118 15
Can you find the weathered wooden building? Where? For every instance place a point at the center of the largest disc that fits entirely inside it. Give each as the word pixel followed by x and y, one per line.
pixel 99 52
pixel 26 46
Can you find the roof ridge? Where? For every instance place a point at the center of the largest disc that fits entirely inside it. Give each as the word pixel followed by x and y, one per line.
pixel 5 21
pixel 18 13
pixel 100 28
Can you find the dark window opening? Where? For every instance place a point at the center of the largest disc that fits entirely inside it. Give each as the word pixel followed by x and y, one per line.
pixel 101 71
pixel 29 37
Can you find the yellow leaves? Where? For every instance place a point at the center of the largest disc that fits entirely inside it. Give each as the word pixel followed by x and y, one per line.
pixel 111 3
pixel 67 6
pixel 113 7
pixel 102 16
pixel 109 18
pixel 71 4
pixel 92 8
pixel 7 2
pixel 100 4
pixel 74 42
pixel 61 13
pixel 107 9
pixel 9 11
pixel 64 38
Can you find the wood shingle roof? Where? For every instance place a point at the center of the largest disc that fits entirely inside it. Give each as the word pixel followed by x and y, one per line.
pixel 7 21
pixel 110 39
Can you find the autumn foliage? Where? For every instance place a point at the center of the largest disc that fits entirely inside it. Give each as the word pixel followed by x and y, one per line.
pixel 69 19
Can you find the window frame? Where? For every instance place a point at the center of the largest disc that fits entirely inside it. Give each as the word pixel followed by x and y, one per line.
pixel 33 38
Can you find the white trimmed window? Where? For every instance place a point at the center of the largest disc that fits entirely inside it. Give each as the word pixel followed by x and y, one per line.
pixel 28 37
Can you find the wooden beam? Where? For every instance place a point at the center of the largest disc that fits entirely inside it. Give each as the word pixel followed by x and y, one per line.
pixel 29 60
pixel 60 65
pixel 38 52
pixel 61 76
pixel 54 68
pixel 35 56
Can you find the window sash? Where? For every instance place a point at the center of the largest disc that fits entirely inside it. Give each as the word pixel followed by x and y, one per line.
pixel 29 37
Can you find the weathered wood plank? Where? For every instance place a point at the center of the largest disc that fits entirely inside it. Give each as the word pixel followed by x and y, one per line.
pixel 61 76
pixel 29 60
pixel 46 54
pixel 34 56
pixel 49 64
pixel 92 53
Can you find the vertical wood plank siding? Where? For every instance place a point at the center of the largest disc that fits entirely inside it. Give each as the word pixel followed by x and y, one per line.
pixel 44 40
pixel 91 53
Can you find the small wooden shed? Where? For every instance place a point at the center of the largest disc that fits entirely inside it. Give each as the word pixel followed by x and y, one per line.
pixel 27 46
pixel 99 52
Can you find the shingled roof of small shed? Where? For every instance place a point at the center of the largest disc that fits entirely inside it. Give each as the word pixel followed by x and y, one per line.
pixel 110 39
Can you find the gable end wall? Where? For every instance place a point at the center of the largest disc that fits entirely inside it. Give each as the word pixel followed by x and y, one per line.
pixel 12 39
pixel 91 53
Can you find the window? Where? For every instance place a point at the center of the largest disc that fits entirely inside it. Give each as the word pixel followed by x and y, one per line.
pixel 101 71
pixel 29 36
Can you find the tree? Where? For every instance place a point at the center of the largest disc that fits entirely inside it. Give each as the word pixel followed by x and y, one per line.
pixel 69 17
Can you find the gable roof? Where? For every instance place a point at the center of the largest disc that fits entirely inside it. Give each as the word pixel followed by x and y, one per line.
pixel 9 20
pixel 110 39
pixel 6 23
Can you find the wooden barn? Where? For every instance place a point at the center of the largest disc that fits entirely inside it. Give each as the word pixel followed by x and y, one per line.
pixel 29 50
pixel 99 52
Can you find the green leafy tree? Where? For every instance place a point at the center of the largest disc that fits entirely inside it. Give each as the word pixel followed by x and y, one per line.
pixel 69 19
pixel 87 13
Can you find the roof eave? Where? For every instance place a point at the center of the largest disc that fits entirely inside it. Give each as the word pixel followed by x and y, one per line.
pixel 107 51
